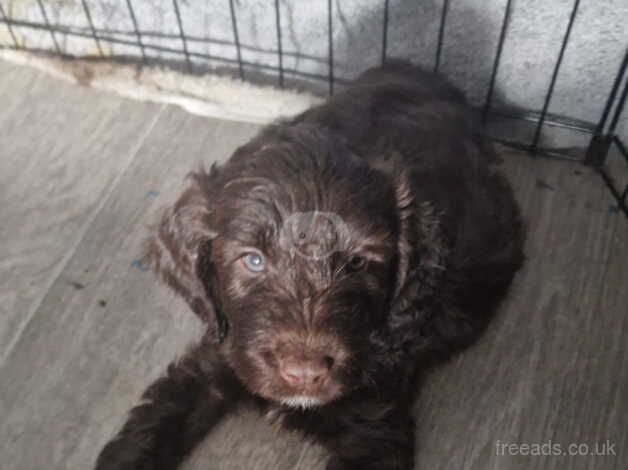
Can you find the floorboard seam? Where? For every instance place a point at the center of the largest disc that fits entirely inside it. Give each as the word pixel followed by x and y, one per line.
pixel 79 239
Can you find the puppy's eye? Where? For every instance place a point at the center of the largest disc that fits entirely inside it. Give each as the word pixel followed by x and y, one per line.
pixel 253 262
pixel 355 263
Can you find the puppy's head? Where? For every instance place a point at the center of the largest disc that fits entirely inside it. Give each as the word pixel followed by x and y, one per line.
pixel 292 253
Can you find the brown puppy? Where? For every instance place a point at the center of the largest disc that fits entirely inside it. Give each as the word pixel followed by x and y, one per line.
pixel 332 259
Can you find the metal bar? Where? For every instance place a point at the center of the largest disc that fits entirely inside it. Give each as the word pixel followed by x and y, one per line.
pixel 102 32
pixel 279 47
pixel 8 23
pixel 385 32
pixel 441 34
pixel 88 15
pixel 557 154
pixel 330 39
pixel 136 29
pixel 611 186
pixel 48 27
pixel 622 148
pixel 618 110
pixel 79 31
pixel 199 55
pixel 498 56
pixel 236 38
pixel 550 119
pixel 613 94
pixel 550 91
pixel 182 34
pixel 600 143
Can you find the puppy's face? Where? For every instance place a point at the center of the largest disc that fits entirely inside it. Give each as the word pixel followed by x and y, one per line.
pixel 300 268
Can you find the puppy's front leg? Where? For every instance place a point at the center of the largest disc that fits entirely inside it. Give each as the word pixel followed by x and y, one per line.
pixel 384 443
pixel 175 413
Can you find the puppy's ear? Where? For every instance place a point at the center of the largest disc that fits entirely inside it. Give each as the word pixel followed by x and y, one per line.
pixel 420 253
pixel 419 248
pixel 180 251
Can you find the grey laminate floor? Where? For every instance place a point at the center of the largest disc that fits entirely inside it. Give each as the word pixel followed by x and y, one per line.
pixel 83 329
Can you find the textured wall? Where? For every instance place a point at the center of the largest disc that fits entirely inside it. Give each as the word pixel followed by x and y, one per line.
pixel 599 39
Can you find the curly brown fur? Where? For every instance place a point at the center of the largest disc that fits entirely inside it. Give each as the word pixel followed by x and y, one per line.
pixel 386 240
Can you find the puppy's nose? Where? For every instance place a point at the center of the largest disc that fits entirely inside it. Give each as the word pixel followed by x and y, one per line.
pixel 305 372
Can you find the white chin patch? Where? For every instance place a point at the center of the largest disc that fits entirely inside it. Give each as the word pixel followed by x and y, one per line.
pixel 301 401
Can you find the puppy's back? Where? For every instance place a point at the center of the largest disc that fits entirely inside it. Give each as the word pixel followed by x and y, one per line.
pixel 398 108
pixel 402 73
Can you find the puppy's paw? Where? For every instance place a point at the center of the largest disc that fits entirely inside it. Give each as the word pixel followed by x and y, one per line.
pixel 121 455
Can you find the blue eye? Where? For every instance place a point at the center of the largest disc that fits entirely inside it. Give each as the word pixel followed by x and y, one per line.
pixel 254 262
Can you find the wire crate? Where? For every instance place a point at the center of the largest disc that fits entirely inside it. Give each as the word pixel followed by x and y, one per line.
pixel 600 143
